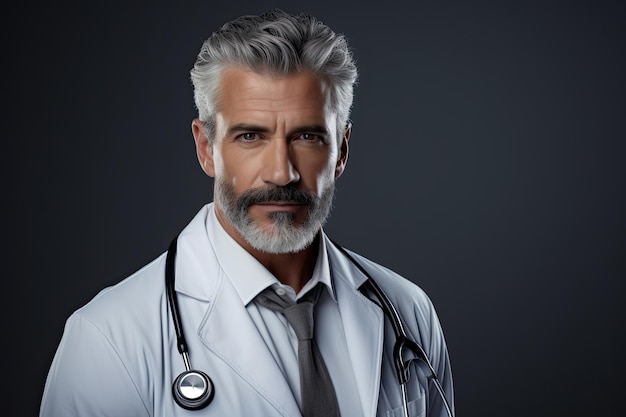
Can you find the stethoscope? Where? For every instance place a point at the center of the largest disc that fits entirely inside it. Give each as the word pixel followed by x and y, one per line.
pixel 194 390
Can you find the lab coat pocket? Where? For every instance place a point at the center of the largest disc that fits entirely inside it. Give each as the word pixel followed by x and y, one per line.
pixel 417 408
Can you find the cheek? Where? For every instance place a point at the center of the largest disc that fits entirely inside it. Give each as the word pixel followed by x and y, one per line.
pixel 222 173
pixel 327 178
pixel 236 169
pixel 321 176
pixel 317 167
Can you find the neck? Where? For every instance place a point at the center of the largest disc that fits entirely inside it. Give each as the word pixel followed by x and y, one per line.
pixel 293 269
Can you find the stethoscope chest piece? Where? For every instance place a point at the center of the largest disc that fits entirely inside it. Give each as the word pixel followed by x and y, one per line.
pixel 193 390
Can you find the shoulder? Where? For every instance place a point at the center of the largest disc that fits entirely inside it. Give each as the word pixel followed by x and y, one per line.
pixel 96 364
pixel 411 302
pixel 134 301
pixel 400 290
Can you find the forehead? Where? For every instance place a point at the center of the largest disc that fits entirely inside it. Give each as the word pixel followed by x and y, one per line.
pixel 245 93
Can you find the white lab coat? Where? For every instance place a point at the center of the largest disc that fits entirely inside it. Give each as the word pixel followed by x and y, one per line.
pixel 118 354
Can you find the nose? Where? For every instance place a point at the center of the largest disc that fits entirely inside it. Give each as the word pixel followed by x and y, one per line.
pixel 278 167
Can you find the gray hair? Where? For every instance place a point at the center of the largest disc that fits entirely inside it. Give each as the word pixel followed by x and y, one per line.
pixel 276 43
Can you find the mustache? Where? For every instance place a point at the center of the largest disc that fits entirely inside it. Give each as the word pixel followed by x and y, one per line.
pixel 280 193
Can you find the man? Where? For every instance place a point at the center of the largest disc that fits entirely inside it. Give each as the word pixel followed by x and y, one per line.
pixel 274 94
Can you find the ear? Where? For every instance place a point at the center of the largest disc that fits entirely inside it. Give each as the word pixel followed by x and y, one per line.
pixel 203 148
pixel 343 151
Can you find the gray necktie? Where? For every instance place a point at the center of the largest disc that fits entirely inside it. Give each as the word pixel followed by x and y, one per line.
pixel 316 388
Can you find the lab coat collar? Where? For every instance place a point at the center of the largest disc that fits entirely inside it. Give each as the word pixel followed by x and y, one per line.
pixel 194 269
pixel 248 275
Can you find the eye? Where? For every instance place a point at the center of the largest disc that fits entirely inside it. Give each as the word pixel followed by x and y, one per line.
pixel 248 136
pixel 311 137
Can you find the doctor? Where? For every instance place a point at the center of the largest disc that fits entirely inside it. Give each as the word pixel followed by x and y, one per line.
pixel 274 94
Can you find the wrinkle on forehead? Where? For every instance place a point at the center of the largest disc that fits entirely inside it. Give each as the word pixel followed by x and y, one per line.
pixel 274 102
pixel 277 97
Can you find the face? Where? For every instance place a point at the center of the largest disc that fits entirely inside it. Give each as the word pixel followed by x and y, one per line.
pixel 275 159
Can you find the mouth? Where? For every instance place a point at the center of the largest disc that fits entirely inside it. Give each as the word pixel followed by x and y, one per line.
pixel 280 205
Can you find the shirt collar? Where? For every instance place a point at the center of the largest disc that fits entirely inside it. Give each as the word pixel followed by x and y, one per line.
pixel 248 276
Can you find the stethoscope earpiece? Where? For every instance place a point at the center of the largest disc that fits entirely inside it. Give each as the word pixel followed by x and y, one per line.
pixel 193 390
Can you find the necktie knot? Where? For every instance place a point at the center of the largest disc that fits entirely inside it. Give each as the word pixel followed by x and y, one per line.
pixel 299 314
pixel 300 317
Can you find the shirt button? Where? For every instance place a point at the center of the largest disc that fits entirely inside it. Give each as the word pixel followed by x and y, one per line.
pixel 280 291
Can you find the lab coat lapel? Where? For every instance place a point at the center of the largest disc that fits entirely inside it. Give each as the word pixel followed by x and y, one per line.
pixel 229 332
pixel 227 329
pixel 363 323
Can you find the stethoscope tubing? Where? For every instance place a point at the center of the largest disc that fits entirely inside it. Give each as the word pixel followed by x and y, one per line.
pixel 170 266
pixel 402 367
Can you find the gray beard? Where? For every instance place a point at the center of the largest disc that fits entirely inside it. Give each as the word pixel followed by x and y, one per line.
pixel 283 236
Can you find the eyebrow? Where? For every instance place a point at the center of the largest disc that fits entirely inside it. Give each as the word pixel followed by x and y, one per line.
pixel 245 127
pixel 320 129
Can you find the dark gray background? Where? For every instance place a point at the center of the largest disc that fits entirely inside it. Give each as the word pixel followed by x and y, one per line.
pixel 486 165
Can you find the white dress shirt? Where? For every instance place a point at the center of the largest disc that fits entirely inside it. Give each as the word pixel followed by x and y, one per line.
pixel 249 277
